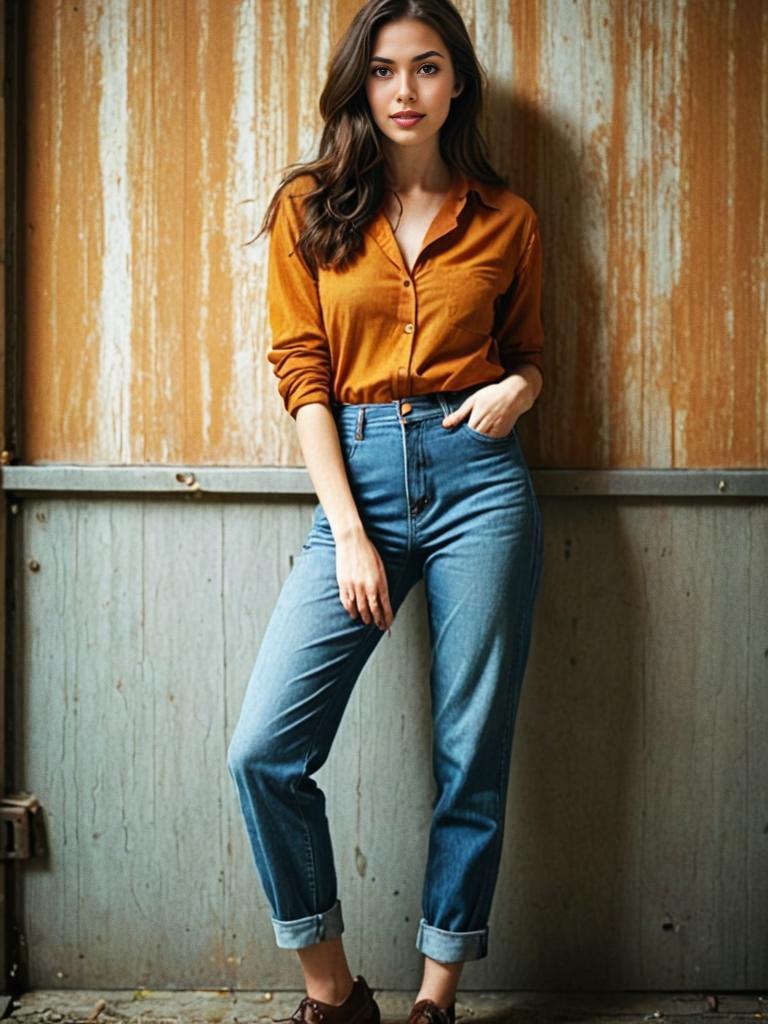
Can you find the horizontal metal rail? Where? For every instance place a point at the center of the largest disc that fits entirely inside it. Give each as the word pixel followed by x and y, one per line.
pixel 61 478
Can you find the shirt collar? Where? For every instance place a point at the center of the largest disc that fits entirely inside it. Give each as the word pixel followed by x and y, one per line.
pixel 464 183
pixel 445 219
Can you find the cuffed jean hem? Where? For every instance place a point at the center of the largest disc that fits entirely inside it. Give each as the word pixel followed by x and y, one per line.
pixel 304 931
pixel 448 947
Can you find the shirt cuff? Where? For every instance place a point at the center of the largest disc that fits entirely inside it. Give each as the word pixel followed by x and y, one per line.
pixel 534 359
pixel 295 402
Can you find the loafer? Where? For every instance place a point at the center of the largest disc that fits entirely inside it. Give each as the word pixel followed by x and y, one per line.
pixel 358 1008
pixel 426 1012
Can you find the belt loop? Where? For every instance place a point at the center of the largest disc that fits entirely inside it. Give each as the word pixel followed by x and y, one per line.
pixel 445 405
pixel 360 423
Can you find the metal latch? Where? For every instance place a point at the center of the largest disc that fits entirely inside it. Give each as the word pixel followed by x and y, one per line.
pixel 22 820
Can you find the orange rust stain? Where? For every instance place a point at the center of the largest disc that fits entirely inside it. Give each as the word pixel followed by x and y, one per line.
pixel 207 368
pixel 748 249
pixel 519 116
pixel 62 236
pixel 156 158
pixel 625 264
pixel 213 202
pixel 719 331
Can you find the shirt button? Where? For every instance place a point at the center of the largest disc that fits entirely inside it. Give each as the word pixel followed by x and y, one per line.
pixel 406 283
pixel 408 328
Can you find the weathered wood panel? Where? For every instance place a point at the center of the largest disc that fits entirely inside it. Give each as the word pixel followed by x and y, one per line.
pixel 156 133
pixel 635 852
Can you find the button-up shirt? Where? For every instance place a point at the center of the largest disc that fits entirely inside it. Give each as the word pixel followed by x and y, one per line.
pixel 467 312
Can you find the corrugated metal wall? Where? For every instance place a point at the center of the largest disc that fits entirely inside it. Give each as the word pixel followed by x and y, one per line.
pixel 637 130
pixel 636 851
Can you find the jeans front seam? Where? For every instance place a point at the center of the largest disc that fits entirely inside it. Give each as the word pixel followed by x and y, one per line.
pixel 408 519
pixel 308 850
pixel 513 695
pixel 311 748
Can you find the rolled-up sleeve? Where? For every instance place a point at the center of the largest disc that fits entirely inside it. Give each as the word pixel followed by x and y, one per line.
pixel 518 328
pixel 299 352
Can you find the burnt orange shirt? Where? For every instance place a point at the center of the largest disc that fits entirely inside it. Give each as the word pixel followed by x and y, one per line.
pixel 467 313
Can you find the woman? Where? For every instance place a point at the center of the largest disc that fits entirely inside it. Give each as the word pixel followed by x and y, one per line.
pixel 404 294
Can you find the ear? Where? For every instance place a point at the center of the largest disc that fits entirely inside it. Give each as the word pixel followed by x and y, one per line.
pixel 458 87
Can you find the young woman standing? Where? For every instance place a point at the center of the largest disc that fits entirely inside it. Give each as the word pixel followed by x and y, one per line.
pixel 404 300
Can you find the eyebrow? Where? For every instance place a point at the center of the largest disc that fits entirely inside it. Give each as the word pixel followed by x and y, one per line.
pixel 419 56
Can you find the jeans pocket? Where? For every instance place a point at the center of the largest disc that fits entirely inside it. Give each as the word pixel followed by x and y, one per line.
pixel 488 438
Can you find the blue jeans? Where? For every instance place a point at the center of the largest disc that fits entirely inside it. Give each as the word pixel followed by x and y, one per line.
pixel 457 508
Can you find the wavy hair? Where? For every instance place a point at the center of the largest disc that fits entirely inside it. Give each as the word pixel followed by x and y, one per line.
pixel 349 170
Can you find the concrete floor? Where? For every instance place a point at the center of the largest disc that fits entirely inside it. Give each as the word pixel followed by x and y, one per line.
pixel 223 1006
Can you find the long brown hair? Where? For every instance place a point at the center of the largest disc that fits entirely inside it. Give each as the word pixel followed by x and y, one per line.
pixel 349 169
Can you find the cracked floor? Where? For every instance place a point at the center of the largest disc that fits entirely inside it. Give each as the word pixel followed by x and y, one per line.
pixel 225 1006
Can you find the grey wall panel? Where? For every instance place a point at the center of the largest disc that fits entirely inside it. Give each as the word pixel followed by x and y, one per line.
pixel 754 750
pixel 635 853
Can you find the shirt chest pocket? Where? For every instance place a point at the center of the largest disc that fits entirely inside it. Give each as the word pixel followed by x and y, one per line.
pixel 472 298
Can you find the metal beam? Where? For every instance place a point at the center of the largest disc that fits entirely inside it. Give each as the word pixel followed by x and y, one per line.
pixel 276 480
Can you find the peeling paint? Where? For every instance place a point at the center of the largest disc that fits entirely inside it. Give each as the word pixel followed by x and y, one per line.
pixel 110 419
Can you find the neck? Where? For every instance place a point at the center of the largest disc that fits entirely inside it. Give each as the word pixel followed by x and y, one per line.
pixel 412 173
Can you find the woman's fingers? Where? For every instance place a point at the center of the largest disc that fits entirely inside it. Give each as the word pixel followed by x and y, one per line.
pixel 369 603
pixel 363 589
pixel 379 606
pixel 386 608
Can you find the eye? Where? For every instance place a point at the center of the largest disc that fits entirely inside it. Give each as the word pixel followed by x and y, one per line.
pixel 382 67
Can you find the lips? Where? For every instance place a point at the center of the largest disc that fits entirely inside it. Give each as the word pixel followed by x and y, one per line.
pixel 406 117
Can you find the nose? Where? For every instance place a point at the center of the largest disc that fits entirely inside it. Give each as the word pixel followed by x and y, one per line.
pixel 406 89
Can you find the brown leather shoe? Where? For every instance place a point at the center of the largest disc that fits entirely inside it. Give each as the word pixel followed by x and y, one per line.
pixel 358 1008
pixel 427 1012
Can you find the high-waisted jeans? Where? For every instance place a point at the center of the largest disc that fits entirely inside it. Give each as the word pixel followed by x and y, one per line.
pixel 455 507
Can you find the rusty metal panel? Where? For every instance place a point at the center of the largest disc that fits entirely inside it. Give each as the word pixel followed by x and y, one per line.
pixel 156 132
pixel 634 854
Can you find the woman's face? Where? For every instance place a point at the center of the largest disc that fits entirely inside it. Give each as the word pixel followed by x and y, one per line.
pixel 396 81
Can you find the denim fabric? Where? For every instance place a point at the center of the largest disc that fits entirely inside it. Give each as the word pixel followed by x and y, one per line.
pixel 455 507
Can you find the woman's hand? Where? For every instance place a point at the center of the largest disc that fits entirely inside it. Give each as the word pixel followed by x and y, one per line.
pixel 362 579
pixel 495 409
pixel 360 571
